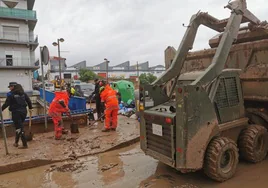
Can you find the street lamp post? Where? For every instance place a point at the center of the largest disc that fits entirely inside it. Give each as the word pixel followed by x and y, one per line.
pixel 138 74
pixel 58 44
pixel 107 68
pixel 76 70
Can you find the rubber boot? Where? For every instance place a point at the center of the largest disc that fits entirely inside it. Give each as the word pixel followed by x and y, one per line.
pixel 91 116
pixel 24 141
pixel 17 138
pixel 99 116
pixel 105 130
pixel 103 118
pixel 58 132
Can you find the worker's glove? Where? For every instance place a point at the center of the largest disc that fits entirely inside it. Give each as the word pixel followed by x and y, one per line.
pixel 68 113
pixel 30 111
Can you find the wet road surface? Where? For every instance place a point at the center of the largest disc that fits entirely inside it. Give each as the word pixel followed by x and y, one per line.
pixel 128 167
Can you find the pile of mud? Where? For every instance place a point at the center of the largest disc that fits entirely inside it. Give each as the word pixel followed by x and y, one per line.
pixel 68 167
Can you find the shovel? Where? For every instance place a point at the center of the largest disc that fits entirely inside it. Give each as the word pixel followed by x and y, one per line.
pixel 29 137
pixel 91 124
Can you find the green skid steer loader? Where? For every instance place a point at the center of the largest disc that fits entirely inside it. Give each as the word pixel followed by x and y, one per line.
pixel 201 123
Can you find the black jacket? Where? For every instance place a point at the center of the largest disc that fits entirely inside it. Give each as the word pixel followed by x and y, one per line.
pixel 17 101
pixel 96 92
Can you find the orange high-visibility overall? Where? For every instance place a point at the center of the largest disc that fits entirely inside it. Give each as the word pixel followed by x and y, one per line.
pixel 58 106
pixel 108 96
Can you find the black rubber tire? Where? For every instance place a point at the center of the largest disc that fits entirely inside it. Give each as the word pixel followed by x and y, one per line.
pixel 221 150
pixel 253 143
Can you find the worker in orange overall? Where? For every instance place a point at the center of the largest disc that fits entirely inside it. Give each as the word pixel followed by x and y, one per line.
pixel 58 106
pixel 108 97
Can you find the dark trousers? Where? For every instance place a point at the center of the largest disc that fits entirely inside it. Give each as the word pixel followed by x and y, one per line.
pixel 18 117
pixel 99 107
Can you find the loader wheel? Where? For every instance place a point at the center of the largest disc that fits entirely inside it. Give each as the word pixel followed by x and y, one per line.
pixel 221 159
pixel 252 143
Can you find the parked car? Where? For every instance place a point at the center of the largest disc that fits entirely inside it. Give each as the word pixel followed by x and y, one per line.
pixel 76 82
pixel 85 89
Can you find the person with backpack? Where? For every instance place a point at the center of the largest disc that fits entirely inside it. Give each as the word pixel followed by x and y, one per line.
pixel 17 101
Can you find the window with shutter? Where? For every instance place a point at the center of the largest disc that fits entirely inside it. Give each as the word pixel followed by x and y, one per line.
pixel 11 33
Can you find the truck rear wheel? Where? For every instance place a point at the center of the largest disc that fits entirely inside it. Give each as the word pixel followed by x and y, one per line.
pixel 221 159
pixel 252 143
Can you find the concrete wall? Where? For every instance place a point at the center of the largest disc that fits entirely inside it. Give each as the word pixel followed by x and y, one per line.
pixel 54 65
pixel 20 50
pixel 21 53
pixel 170 53
pixel 32 57
pixel 23 77
pixel 23 29
pixel 20 5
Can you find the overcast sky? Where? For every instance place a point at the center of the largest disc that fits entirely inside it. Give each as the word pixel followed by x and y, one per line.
pixel 121 30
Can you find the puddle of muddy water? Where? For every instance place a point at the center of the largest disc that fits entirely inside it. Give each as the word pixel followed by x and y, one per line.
pixel 128 167
pixel 113 169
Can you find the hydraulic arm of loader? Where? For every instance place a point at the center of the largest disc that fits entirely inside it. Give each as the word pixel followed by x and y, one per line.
pixel 231 26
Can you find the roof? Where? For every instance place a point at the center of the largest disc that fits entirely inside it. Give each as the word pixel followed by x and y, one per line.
pixel 124 67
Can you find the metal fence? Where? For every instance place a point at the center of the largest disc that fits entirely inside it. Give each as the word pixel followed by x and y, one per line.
pixel 15 62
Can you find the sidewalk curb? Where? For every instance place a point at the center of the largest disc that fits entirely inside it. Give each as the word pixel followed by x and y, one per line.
pixel 23 165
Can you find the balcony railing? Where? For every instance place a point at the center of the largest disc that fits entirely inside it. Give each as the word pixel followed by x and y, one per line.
pixel 18 37
pixel 6 62
pixel 17 13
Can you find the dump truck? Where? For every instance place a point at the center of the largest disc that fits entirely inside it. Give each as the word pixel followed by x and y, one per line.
pixel 215 111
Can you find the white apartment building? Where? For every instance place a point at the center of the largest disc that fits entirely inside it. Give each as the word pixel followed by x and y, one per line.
pixel 17 43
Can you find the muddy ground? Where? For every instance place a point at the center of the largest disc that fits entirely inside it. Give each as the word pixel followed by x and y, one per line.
pixel 128 167
pixel 44 149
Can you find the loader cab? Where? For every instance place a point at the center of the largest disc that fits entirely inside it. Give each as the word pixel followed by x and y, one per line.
pixel 227 98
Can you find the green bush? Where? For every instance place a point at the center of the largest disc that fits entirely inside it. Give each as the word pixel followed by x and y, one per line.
pixel 147 78
pixel 86 75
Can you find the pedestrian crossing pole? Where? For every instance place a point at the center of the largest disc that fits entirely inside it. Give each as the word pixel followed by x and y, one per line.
pixel 138 69
pixel 44 56
pixel 138 82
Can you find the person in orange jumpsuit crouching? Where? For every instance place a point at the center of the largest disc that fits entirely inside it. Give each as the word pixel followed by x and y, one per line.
pixel 108 97
pixel 58 106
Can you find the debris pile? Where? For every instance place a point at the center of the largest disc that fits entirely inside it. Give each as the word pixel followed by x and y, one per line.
pixel 68 167
pixel 108 166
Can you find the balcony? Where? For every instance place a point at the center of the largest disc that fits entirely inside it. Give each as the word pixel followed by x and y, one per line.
pixel 16 63
pixel 19 38
pixel 17 13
